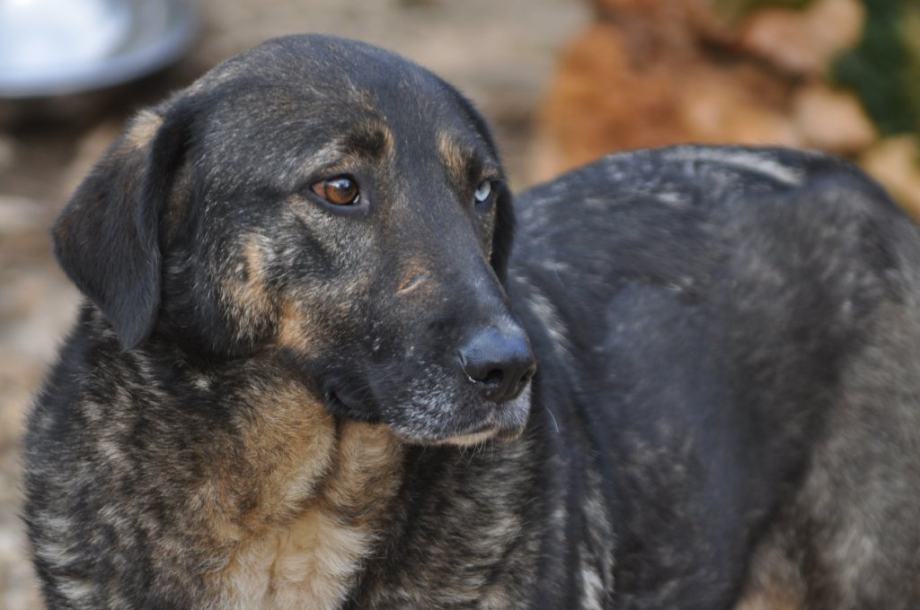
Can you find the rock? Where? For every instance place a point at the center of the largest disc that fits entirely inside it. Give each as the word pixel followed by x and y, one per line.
pixel 803 41
pixel 723 106
pixel 620 86
pixel 695 18
pixel 603 96
pixel 832 120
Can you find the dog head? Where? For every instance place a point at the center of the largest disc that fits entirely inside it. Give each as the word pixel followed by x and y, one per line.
pixel 328 204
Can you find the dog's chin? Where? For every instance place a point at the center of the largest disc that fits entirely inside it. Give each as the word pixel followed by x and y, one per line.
pixel 504 422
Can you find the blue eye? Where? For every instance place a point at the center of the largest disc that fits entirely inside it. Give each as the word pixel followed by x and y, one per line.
pixel 483 191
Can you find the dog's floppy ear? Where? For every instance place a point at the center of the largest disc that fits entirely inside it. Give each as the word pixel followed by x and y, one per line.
pixel 107 238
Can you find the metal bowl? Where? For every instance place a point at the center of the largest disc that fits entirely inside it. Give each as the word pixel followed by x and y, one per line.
pixel 51 48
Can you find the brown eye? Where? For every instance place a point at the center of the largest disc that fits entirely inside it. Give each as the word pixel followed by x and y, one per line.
pixel 340 190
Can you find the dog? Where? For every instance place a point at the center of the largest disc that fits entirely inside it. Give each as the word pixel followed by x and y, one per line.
pixel 312 372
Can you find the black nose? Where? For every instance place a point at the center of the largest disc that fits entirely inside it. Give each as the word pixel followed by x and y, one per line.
pixel 498 361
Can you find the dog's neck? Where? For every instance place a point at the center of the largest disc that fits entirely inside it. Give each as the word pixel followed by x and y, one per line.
pixel 342 497
pixel 313 506
pixel 284 502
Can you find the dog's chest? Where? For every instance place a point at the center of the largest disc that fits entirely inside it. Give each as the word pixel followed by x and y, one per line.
pixel 310 564
pixel 310 560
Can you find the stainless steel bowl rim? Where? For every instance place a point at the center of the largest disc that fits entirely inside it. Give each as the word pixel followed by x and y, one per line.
pixel 110 71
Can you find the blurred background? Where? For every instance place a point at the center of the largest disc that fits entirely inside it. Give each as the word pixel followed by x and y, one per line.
pixel 561 81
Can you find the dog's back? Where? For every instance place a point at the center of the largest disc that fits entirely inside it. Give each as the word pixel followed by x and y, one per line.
pixel 733 333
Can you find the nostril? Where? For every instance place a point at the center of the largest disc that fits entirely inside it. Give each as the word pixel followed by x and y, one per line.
pixel 499 363
pixel 528 375
pixel 521 378
pixel 493 377
pixel 488 374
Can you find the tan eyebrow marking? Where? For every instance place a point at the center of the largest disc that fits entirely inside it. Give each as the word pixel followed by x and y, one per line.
pixel 414 275
pixel 373 139
pixel 455 157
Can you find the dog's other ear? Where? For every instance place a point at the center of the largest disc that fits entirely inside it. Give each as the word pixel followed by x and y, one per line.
pixel 503 233
pixel 107 237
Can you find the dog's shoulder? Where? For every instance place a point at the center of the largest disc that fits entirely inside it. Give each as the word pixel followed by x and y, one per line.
pixel 672 215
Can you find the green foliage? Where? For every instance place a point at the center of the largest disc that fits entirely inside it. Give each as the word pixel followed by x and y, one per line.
pixel 884 68
pixel 911 38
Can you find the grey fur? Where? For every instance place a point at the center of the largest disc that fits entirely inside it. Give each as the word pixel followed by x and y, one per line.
pixel 267 411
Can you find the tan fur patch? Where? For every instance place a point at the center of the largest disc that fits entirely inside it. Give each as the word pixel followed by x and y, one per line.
pixel 389 142
pixel 285 449
pixel 414 275
pixel 770 599
pixel 316 505
pixel 248 298
pixel 143 129
pixel 288 445
pixel 774 583
pixel 308 564
pixel 452 155
pixel 292 328
pixel 469 440
pixel 386 135
pixel 367 467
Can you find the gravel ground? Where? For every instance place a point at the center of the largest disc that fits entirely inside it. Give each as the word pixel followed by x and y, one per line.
pixel 500 54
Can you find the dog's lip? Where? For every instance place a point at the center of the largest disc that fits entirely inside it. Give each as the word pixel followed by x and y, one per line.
pixel 332 398
pixel 511 416
pixel 471 438
pixel 489 426
pixel 503 424
pixel 472 435
pixel 494 428
pixel 336 400
pixel 504 420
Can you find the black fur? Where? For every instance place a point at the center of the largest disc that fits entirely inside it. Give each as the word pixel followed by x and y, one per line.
pixel 261 402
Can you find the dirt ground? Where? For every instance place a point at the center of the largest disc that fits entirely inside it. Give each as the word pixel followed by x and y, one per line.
pixel 501 54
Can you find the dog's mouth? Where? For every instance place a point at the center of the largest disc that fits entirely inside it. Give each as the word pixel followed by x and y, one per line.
pixel 474 437
pixel 333 401
pixel 340 402
pixel 417 421
pixel 502 421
